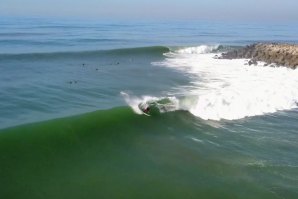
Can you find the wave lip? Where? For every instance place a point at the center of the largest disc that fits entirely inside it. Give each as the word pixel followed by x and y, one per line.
pixel 229 89
pixel 203 49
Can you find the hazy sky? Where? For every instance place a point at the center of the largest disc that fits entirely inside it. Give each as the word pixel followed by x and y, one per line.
pixel 248 10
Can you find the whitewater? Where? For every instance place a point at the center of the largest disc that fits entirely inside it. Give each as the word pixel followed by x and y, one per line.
pixel 225 89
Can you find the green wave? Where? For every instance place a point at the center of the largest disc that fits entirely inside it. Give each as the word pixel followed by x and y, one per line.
pixel 118 154
pixel 74 153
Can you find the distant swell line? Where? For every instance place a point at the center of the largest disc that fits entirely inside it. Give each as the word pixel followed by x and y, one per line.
pixel 159 50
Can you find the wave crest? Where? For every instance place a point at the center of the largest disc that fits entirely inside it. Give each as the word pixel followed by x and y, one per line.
pixel 198 49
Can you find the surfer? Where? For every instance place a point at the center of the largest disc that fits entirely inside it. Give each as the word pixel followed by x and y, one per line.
pixel 146 110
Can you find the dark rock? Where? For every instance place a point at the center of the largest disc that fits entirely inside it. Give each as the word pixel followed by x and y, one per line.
pixel 281 54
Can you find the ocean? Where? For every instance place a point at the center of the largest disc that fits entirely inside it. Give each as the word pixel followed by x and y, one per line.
pixel 71 125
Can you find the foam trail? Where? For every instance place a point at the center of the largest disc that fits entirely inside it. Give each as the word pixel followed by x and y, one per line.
pixel 229 89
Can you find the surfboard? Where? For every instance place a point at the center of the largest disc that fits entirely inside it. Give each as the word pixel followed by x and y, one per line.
pixel 145 113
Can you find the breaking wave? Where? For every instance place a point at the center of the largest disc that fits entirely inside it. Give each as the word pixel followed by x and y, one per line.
pixel 228 89
pixel 160 105
pixel 198 50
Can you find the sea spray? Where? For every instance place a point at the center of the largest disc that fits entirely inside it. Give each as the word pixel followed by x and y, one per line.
pixel 153 104
pixel 198 49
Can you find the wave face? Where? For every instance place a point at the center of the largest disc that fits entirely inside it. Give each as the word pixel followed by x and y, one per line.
pixel 150 156
pixel 229 89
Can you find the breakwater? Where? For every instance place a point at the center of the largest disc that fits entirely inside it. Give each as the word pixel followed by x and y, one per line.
pixel 272 54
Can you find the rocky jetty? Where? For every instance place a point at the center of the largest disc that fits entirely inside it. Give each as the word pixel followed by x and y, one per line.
pixel 272 54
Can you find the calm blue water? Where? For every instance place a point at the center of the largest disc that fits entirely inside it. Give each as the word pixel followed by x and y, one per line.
pixel 40 35
pixel 58 68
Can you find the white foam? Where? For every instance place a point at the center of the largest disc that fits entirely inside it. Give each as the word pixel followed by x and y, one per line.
pixel 229 89
pixel 198 50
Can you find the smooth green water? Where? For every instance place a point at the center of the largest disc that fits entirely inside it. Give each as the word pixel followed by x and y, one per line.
pixel 118 154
